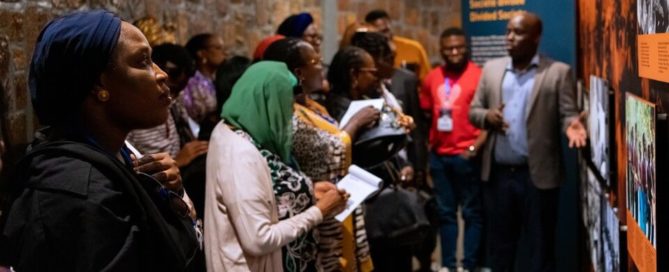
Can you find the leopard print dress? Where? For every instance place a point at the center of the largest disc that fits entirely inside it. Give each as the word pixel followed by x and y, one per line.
pixel 323 156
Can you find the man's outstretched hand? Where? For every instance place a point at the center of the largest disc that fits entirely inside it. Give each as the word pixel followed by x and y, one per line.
pixel 576 132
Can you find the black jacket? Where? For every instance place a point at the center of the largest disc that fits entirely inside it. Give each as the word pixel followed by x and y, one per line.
pixel 78 209
pixel 404 85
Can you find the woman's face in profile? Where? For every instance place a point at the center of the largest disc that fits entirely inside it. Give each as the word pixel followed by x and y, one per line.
pixel 312 36
pixel 214 52
pixel 311 73
pixel 366 81
pixel 138 93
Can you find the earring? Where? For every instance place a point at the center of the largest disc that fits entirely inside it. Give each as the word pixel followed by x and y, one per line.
pixel 103 96
pixel 301 82
pixel 355 84
pixel 204 61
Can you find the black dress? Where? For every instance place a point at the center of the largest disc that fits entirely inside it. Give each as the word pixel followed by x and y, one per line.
pixel 76 208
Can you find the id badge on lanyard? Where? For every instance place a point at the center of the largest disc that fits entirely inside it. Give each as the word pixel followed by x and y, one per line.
pixel 445 121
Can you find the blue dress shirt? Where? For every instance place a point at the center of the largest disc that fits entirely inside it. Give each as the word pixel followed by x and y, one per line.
pixel 511 147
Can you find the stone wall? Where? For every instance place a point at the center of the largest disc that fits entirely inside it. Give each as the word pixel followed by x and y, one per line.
pixel 422 20
pixel 241 24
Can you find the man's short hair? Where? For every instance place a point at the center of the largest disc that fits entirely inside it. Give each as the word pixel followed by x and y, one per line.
pixel 376 44
pixel 452 31
pixel 375 15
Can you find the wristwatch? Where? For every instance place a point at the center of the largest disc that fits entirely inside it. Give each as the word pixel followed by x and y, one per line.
pixel 472 149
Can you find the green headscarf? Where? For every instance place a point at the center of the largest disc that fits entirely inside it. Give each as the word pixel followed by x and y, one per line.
pixel 261 104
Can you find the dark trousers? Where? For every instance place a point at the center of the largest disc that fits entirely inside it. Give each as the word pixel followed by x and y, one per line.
pixel 390 258
pixel 514 206
pixel 457 183
pixel 423 250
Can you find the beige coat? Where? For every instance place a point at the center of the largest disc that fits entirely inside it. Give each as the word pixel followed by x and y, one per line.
pixel 242 230
pixel 552 106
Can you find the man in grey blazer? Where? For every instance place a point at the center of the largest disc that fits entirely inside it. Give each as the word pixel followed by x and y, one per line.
pixel 526 101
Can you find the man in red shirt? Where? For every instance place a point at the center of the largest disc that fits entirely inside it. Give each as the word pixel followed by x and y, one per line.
pixel 446 94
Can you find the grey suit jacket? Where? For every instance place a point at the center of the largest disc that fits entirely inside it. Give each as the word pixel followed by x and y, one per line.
pixel 552 105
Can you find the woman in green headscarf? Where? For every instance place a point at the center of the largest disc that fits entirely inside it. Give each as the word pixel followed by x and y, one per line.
pixel 257 202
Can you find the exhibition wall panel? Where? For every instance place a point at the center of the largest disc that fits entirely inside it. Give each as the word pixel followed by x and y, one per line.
pixel 625 42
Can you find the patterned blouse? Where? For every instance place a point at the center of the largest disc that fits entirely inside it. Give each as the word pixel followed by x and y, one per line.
pixel 324 153
pixel 199 97
pixel 294 194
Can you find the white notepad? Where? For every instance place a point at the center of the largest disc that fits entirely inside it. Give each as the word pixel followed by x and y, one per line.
pixel 360 184
pixel 356 106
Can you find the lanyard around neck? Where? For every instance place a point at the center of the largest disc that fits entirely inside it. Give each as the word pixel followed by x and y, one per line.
pixel 447 88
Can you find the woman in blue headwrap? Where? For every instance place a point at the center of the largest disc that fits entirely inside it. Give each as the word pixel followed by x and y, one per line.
pixel 80 202
pixel 301 26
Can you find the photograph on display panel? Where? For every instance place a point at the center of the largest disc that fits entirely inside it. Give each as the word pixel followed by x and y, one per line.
pixel 610 238
pixel 593 217
pixel 598 125
pixel 641 175
pixel 653 16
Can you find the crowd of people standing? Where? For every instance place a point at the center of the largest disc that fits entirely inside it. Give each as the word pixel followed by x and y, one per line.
pixel 158 156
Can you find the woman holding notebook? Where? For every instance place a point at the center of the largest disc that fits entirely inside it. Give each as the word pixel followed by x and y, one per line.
pixel 259 208
pixel 323 151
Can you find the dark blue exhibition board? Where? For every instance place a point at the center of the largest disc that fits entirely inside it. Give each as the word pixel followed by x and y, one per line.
pixel 485 23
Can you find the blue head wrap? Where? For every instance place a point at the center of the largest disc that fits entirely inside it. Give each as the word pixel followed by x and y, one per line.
pixel 295 25
pixel 71 53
